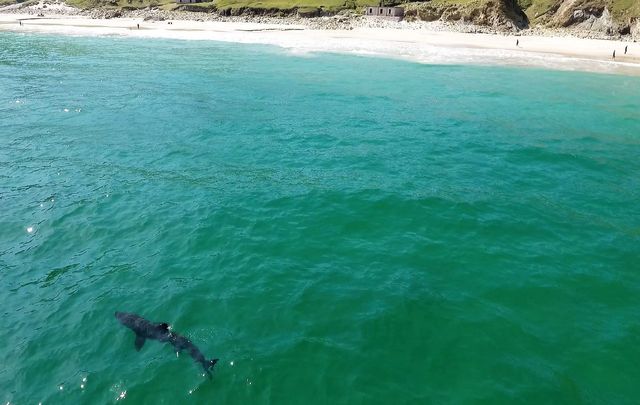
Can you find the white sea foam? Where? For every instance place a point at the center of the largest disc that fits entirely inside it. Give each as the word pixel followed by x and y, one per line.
pixel 420 45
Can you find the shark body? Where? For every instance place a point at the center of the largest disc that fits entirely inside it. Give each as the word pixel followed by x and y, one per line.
pixel 145 329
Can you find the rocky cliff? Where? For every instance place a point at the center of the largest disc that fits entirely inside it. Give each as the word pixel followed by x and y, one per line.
pixel 611 17
pixel 601 17
pixel 497 14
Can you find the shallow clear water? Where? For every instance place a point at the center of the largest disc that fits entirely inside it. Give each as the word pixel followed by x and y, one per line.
pixel 335 229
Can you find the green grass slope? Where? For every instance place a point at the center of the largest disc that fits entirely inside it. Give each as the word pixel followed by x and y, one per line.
pixel 482 12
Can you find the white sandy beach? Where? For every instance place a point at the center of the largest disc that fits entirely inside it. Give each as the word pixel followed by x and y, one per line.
pixel 421 44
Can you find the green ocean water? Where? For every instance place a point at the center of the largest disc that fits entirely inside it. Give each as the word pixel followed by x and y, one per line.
pixel 336 229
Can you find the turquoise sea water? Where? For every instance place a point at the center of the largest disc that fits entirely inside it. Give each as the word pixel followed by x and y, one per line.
pixel 336 229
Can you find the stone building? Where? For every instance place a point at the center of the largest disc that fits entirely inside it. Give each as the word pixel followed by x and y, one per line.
pixel 378 11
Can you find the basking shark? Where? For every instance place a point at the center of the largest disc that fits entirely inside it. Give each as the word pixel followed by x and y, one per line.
pixel 145 329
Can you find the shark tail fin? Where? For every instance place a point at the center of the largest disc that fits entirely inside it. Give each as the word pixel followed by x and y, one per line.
pixel 208 365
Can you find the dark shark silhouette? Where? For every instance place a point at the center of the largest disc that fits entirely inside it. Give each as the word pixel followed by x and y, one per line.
pixel 145 329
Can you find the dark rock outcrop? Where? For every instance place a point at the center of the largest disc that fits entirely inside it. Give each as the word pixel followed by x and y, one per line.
pixel 498 14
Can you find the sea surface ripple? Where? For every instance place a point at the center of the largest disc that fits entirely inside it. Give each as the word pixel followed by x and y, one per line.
pixel 337 229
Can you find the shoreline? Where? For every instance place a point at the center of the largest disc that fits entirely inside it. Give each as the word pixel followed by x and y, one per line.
pixel 423 43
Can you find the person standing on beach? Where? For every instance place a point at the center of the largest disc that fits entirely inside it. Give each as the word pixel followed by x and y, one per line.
pixel 138 26
pixel 625 49
pixel 517 42
pixel 614 54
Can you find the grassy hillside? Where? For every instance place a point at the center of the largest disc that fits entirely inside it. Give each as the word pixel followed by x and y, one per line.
pixel 535 8
pixel 481 12
pixel 625 8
